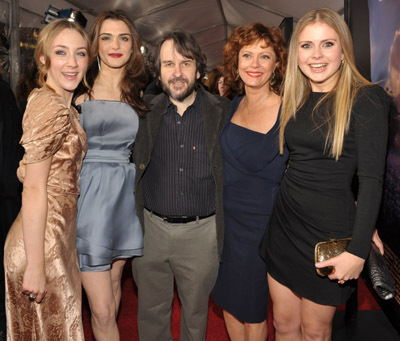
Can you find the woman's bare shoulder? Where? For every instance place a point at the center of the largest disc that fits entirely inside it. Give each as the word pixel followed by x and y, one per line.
pixel 82 98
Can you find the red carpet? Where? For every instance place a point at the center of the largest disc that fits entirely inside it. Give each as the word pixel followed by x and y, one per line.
pixel 127 320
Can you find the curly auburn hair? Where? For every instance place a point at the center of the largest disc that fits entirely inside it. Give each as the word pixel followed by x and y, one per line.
pixel 248 35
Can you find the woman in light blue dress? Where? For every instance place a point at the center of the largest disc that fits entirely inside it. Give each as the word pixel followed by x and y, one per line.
pixel 109 231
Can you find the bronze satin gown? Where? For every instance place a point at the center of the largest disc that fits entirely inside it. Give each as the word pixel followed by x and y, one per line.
pixel 49 129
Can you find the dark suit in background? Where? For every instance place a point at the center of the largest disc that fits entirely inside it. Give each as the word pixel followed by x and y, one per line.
pixel 10 188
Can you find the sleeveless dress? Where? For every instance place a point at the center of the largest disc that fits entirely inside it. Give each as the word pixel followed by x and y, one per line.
pixel 315 201
pixel 108 227
pixel 253 169
pixel 50 129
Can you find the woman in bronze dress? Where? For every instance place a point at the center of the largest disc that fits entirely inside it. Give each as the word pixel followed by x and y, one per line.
pixel 43 287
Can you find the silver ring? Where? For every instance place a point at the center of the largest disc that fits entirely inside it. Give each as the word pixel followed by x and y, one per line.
pixel 32 298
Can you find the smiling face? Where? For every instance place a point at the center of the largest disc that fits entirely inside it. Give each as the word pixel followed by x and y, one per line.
pixel 178 74
pixel 68 62
pixel 319 56
pixel 256 64
pixel 115 44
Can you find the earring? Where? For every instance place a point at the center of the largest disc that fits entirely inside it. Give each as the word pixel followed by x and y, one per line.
pixel 98 63
pixel 272 80
pixel 237 75
pixel 343 61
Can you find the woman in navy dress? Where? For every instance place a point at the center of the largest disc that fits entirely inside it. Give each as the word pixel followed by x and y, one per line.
pixel 109 231
pixel 334 124
pixel 254 64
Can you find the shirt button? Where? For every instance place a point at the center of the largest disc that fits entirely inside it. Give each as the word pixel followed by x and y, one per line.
pixel 142 166
pixel 179 122
pixel 181 146
pixel 181 169
pixel 182 193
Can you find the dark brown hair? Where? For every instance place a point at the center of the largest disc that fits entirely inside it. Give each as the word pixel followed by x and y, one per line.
pixel 187 46
pixel 212 81
pixel 248 35
pixel 134 78
pixel 26 83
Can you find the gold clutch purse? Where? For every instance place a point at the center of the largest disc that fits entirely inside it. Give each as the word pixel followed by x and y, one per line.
pixel 329 249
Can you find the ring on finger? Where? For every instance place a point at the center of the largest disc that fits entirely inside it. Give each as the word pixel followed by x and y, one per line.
pixel 341 281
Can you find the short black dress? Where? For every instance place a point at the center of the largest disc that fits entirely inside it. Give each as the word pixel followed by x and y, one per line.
pixel 315 201
pixel 253 169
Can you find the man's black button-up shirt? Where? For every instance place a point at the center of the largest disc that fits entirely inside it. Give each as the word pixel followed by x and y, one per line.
pixel 178 179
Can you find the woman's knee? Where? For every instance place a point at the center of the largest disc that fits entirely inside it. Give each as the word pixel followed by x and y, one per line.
pixel 287 324
pixel 312 331
pixel 256 331
pixel 316 321
pixel 104 314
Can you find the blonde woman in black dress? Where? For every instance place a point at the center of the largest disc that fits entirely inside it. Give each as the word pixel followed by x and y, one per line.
pixel 334 123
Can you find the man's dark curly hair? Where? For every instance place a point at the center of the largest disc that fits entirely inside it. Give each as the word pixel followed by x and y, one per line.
pixel 187 46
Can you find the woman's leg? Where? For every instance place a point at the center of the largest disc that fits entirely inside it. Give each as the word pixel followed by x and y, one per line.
pixel 287 311
pixel 234 327
pixel 116 274
pixel 244 331
pixel 316 321
pixel 99 290
pixel 256 331
pixel 297 318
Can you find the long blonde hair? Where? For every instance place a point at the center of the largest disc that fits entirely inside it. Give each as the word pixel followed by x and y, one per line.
pixel 339 100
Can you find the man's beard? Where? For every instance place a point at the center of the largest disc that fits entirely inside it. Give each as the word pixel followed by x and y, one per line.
pixel 181 96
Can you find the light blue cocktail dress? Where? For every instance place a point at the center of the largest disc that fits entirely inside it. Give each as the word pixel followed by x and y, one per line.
pixel 107 225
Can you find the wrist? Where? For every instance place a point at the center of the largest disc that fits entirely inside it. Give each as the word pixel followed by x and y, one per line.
pixel 35 264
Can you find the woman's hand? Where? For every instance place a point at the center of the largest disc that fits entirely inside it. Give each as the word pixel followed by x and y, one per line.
pixel 346 266
pixel 378 242
pixel 34 283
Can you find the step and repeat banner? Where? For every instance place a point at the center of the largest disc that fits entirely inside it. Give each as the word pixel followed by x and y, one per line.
pixel 385 70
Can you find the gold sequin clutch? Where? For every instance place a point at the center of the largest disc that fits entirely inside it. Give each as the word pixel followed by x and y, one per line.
pixel 329 249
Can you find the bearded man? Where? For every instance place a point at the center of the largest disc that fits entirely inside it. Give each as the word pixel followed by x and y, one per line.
pixel 178 191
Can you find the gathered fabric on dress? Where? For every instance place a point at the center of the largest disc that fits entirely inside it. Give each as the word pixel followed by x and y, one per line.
pixel 50 129
pixel 108 227
pixel 253 169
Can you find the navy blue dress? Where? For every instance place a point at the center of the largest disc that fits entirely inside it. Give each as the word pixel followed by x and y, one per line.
pixel 253 169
